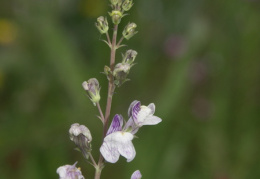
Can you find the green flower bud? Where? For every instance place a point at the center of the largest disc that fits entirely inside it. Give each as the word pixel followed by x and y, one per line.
pixel 120 73
pixel 102 24
pixel 107 70
pixel 127 4
pixel 129 31
pixel 116 16
pixel 115 2
pixel 93 89
pixel 129 56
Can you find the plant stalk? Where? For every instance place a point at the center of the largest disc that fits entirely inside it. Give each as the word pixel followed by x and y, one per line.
pixel 111 89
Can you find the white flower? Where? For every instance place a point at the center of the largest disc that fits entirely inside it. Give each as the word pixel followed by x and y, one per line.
pixel 136 175
pixel 117 142
pixel 141 115
pixel 69 172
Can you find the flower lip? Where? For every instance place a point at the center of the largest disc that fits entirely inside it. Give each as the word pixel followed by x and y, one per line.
pixel 116 144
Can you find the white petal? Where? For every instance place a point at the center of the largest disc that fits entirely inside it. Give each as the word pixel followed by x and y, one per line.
pixel 151 120
pixel 74 129
pixel 118 143
pixel 152 107
pixel 142 114
pixel 119 137
pixel 62 171
pixel 110 152
pixel 127 150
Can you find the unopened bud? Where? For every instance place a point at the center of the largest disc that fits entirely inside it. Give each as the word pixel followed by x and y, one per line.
pixel 115 2
pixel 102 24
pixel 116 16
pixel 81 135
pixel 120 73
pixel 129 30
pixel 93 89
pixel 107 70
pixel 127 4
pixel 129 56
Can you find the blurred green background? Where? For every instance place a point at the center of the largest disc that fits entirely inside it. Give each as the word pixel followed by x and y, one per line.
pixel 198 61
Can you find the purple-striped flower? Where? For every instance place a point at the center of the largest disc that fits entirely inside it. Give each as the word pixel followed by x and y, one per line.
pixel 117 142
pixel 136 175
pixel 141 115
pixel 69 172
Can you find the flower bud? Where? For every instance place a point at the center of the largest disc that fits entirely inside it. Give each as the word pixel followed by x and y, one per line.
pixel 102 24
pixel 129 56
pixel 107 70
pixel 81 136
pixel 127 4
pixel 93 89
pixel 120 73
pixel 116 16
pixel 129 31
pixel 115 2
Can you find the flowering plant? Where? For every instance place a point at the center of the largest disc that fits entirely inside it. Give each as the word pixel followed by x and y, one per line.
pixel 117 139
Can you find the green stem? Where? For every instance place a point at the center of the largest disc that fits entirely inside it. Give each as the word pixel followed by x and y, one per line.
pixel 118 44
pixel 98 173
pixel 93 160
pixel 100 112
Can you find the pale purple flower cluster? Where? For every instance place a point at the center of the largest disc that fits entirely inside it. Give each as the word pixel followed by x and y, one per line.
pixel 118 140
pixel 69 172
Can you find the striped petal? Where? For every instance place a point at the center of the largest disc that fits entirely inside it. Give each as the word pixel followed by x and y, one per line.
pixel 116 124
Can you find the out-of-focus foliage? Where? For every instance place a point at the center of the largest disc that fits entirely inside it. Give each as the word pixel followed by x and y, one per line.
pixel 198 61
